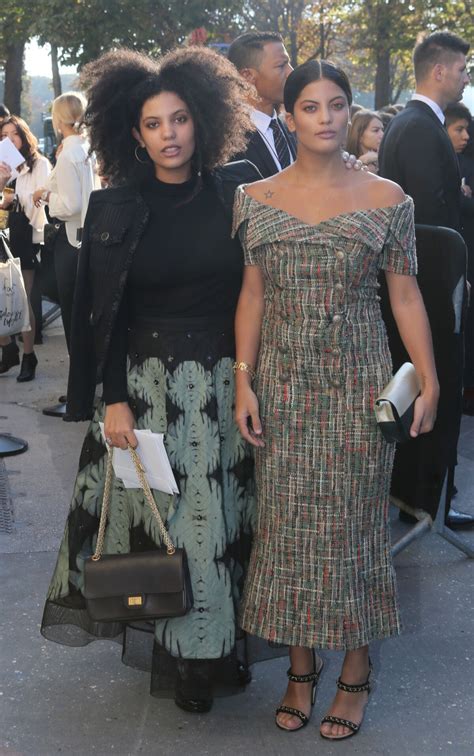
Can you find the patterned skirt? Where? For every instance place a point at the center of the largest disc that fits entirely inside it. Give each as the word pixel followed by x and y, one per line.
pixel 180 382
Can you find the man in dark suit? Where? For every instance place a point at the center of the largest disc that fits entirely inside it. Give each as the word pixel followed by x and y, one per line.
pixel 262 60
pixel 417 153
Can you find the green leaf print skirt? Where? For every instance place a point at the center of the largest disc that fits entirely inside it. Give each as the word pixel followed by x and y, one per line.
pixel 180 382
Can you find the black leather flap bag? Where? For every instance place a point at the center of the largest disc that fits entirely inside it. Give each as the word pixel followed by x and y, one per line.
pixel 137 586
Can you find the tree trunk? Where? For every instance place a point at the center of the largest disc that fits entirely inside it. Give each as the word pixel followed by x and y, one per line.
pixel 57 86
pixel 13 76
pixel 382 79
pixel 294 47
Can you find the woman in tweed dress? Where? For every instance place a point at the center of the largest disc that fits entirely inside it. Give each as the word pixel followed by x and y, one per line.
pixel 309 325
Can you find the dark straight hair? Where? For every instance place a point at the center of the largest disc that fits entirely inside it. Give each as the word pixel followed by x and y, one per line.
pixel 456 111
pixel 314 70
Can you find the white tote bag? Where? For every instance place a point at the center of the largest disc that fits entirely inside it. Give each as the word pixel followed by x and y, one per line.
pixel 14 312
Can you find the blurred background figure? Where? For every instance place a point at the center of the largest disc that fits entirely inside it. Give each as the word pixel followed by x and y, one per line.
pixel 391 109
pixel 387 113
pixel 365 135
pixel 4 112
pixel 460 127
pixel 67 193
pixel 355 108
pixel 26 224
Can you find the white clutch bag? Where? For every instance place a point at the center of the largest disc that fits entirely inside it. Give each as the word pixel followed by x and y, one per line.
pixel 394 408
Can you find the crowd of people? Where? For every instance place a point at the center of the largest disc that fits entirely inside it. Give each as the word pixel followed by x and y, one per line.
pixel 223 289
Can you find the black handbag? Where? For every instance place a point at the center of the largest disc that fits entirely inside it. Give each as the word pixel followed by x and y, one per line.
pixel 142 585
pixel 50 234
pixel 394 408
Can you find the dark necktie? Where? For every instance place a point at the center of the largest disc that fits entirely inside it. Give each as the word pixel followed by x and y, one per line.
pixel 281 146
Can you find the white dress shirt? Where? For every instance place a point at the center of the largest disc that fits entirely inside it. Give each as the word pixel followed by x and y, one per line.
pixel 27 182
pixel 432 104
pixel 70 183
pixel 262 123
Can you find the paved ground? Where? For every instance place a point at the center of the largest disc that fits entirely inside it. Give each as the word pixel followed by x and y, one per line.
pixel 80 701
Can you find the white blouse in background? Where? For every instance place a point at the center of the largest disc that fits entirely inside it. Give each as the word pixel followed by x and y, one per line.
pixel 70 182
pixel 27 182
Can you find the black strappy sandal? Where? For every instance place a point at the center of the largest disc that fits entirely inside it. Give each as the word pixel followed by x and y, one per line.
pixel 312 677
pixel 347 722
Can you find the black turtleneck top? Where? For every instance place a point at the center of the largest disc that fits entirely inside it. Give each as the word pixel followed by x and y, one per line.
pixel 186 265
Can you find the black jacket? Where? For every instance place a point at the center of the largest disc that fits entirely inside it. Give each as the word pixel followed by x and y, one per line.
pixel 258 153
pixel 417 153
pixel 115 222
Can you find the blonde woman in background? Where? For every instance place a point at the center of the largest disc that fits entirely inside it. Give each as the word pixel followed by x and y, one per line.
pixel 67 194
pixel 364 138
pixel 26 224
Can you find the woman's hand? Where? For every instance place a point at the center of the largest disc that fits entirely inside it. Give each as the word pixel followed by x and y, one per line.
pixel 37 196
pixel 247 416
pixel 425 412
pixel 5 174
pixel 371 160
pixel 118 426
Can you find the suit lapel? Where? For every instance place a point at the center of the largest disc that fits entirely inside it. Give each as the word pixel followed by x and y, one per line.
pixel 265 161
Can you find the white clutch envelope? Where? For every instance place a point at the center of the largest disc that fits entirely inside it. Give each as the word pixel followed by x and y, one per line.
pixel 154 459
pixel 9 154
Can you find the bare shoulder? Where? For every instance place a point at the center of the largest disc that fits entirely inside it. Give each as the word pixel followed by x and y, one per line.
pixel 383 192
pixel 263 190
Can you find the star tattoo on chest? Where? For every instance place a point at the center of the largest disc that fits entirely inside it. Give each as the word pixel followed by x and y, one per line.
pixel 269 194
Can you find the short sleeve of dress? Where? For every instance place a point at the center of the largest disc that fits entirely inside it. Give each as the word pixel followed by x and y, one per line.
pixel 242 227
pixel 399 250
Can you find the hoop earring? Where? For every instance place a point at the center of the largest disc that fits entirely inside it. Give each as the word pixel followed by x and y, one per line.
pixel 137 157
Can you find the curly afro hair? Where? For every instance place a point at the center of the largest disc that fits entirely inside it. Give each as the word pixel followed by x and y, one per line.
pixel 120 82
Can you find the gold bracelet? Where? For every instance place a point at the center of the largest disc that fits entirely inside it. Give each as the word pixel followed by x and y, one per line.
pixel 245 367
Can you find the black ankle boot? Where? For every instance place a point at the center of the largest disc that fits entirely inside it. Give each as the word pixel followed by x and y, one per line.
pixel 10 357
pixel 28 367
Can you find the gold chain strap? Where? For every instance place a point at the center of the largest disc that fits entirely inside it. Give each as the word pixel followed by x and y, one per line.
pixel 140 470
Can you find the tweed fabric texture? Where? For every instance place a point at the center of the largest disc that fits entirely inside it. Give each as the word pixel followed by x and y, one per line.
pixel 321 572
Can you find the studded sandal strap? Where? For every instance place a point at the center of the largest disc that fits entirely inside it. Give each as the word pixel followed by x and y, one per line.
pixel 353 688
pixel 344 722
pixel 310 677
pixel 294 712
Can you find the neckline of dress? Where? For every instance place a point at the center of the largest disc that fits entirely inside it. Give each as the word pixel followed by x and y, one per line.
pixel 347 214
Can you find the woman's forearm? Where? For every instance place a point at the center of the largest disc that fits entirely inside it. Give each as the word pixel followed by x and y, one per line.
pixel 248 324
pixel 412 323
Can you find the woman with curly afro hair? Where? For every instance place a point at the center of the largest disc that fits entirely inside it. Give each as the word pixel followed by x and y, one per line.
pixel 158 281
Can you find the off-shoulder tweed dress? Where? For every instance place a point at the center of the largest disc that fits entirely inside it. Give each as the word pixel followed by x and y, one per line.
pixel 321 572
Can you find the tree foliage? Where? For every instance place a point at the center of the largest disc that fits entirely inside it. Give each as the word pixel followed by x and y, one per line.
pixel 83 29
pixel 373 39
